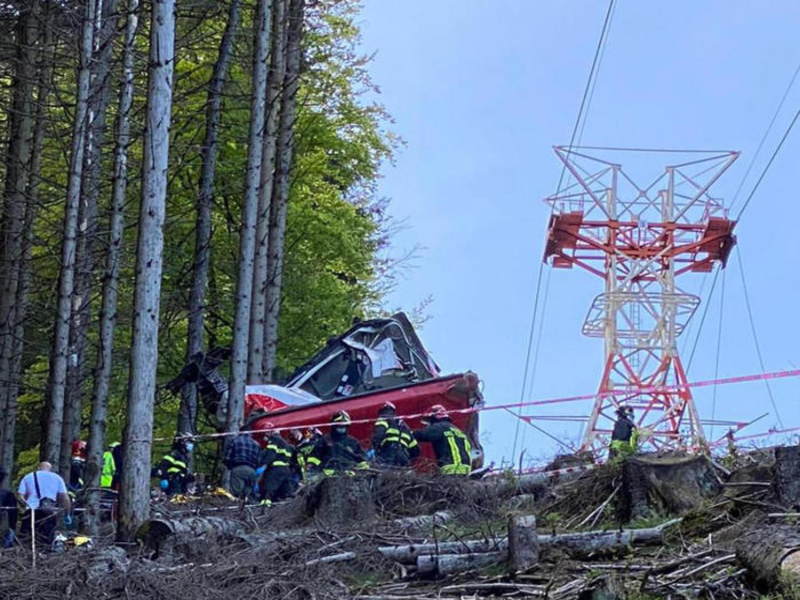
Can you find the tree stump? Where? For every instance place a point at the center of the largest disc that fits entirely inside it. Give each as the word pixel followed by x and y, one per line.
pixel 341 501
pixel 523 543
pixel 671 484
pixel 787 475
pixel 772 554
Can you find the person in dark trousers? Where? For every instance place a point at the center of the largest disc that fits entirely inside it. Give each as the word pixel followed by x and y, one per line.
pixel 624 437
pixel 339 452
pixel 173 470
pixel 450 445
pixel 278 462
pixel 241 458
pixel 392 440
pixel 8 503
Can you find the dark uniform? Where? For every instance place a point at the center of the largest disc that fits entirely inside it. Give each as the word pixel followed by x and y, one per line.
pixel 393 442
pixel 279 459
pixel 308 455
pixel 451 446
pixel 174 470
pixel 624 437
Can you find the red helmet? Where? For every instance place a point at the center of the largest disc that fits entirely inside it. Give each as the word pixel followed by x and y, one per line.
pixel 437 411
pixel 78 449
pixel 267 428
pixel 388 406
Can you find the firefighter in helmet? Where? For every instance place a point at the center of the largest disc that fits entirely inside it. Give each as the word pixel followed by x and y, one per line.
pixel 451 446
pixel 392 441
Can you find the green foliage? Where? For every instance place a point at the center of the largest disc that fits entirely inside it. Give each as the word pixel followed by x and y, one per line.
pixel 337 230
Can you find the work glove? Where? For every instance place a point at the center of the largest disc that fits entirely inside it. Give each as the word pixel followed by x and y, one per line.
pixel 8 540
pixel 67 520
pixel 370 454
pixel 163 484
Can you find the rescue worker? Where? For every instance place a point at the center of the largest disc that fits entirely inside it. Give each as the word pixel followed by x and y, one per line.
pixel 625 436
pixel 112 467
pixel 241 458
pixel 307 458
pixel 392 441
pixel 278 460
pixel 450 445
pixel 173 471
pixel 77 465
pixel 339 452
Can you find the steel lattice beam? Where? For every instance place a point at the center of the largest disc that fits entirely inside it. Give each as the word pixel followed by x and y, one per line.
pixel 639 239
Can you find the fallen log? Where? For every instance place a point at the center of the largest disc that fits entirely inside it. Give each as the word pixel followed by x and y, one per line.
pixel 771 554
pixel 585 543
pixel 448 564
pixel 577 544
pixel 157 533
pixel 422 521
pixel 409 553
pixel 344 556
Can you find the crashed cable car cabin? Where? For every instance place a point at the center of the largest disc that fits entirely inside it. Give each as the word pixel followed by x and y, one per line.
pixel 374 362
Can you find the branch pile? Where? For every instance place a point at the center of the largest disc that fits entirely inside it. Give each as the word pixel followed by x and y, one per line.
pixel 395 536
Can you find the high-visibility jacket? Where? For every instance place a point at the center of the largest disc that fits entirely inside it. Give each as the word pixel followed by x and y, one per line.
pixel 393 442
pixel 307 457
pixel 109 469
pixel 451 446
pixel 279 453
pixel 339 453
pixel 174 468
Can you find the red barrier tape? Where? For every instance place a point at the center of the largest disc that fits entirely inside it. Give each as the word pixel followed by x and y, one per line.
pixel 621 391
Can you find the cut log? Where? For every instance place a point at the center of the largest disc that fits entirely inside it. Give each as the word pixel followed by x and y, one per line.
pixel 578 545
pixel 409 553
pixel 422 521
pixel 447 564
pixel 787 475
pixel 671 484
pixel 523 543
pixel 343 557
pixel 771 554
pixel 155 533
pixel 589 542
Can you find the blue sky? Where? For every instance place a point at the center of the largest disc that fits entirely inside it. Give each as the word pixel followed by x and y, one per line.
pixel 482 90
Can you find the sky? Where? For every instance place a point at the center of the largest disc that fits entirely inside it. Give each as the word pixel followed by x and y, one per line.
pixel 481 90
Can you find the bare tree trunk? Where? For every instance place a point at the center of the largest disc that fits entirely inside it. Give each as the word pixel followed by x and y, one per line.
pixel 58 368
pixel 31 210
pixel 135 496
pixel 244 281
pixel 108 312
pixel 197 297
pixel 17 175
pixel 280 197
pixel 100 91
pixel 255 367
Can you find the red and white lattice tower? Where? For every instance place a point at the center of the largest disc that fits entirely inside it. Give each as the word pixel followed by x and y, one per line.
pixel 638 240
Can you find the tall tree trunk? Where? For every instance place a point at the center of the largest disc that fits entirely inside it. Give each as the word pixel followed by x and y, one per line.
pixel 244 281
pixel 197 298
pixel 58 367
pixel 31 210
pixel 280 196
pixel 135 496
pixel 108 311
pixel 255 367
pixel 17 176
pixel 100 91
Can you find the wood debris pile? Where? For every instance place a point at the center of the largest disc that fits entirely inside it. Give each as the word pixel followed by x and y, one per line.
pixel 652 527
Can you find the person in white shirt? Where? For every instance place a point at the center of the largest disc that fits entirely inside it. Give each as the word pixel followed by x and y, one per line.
pixel 44 491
